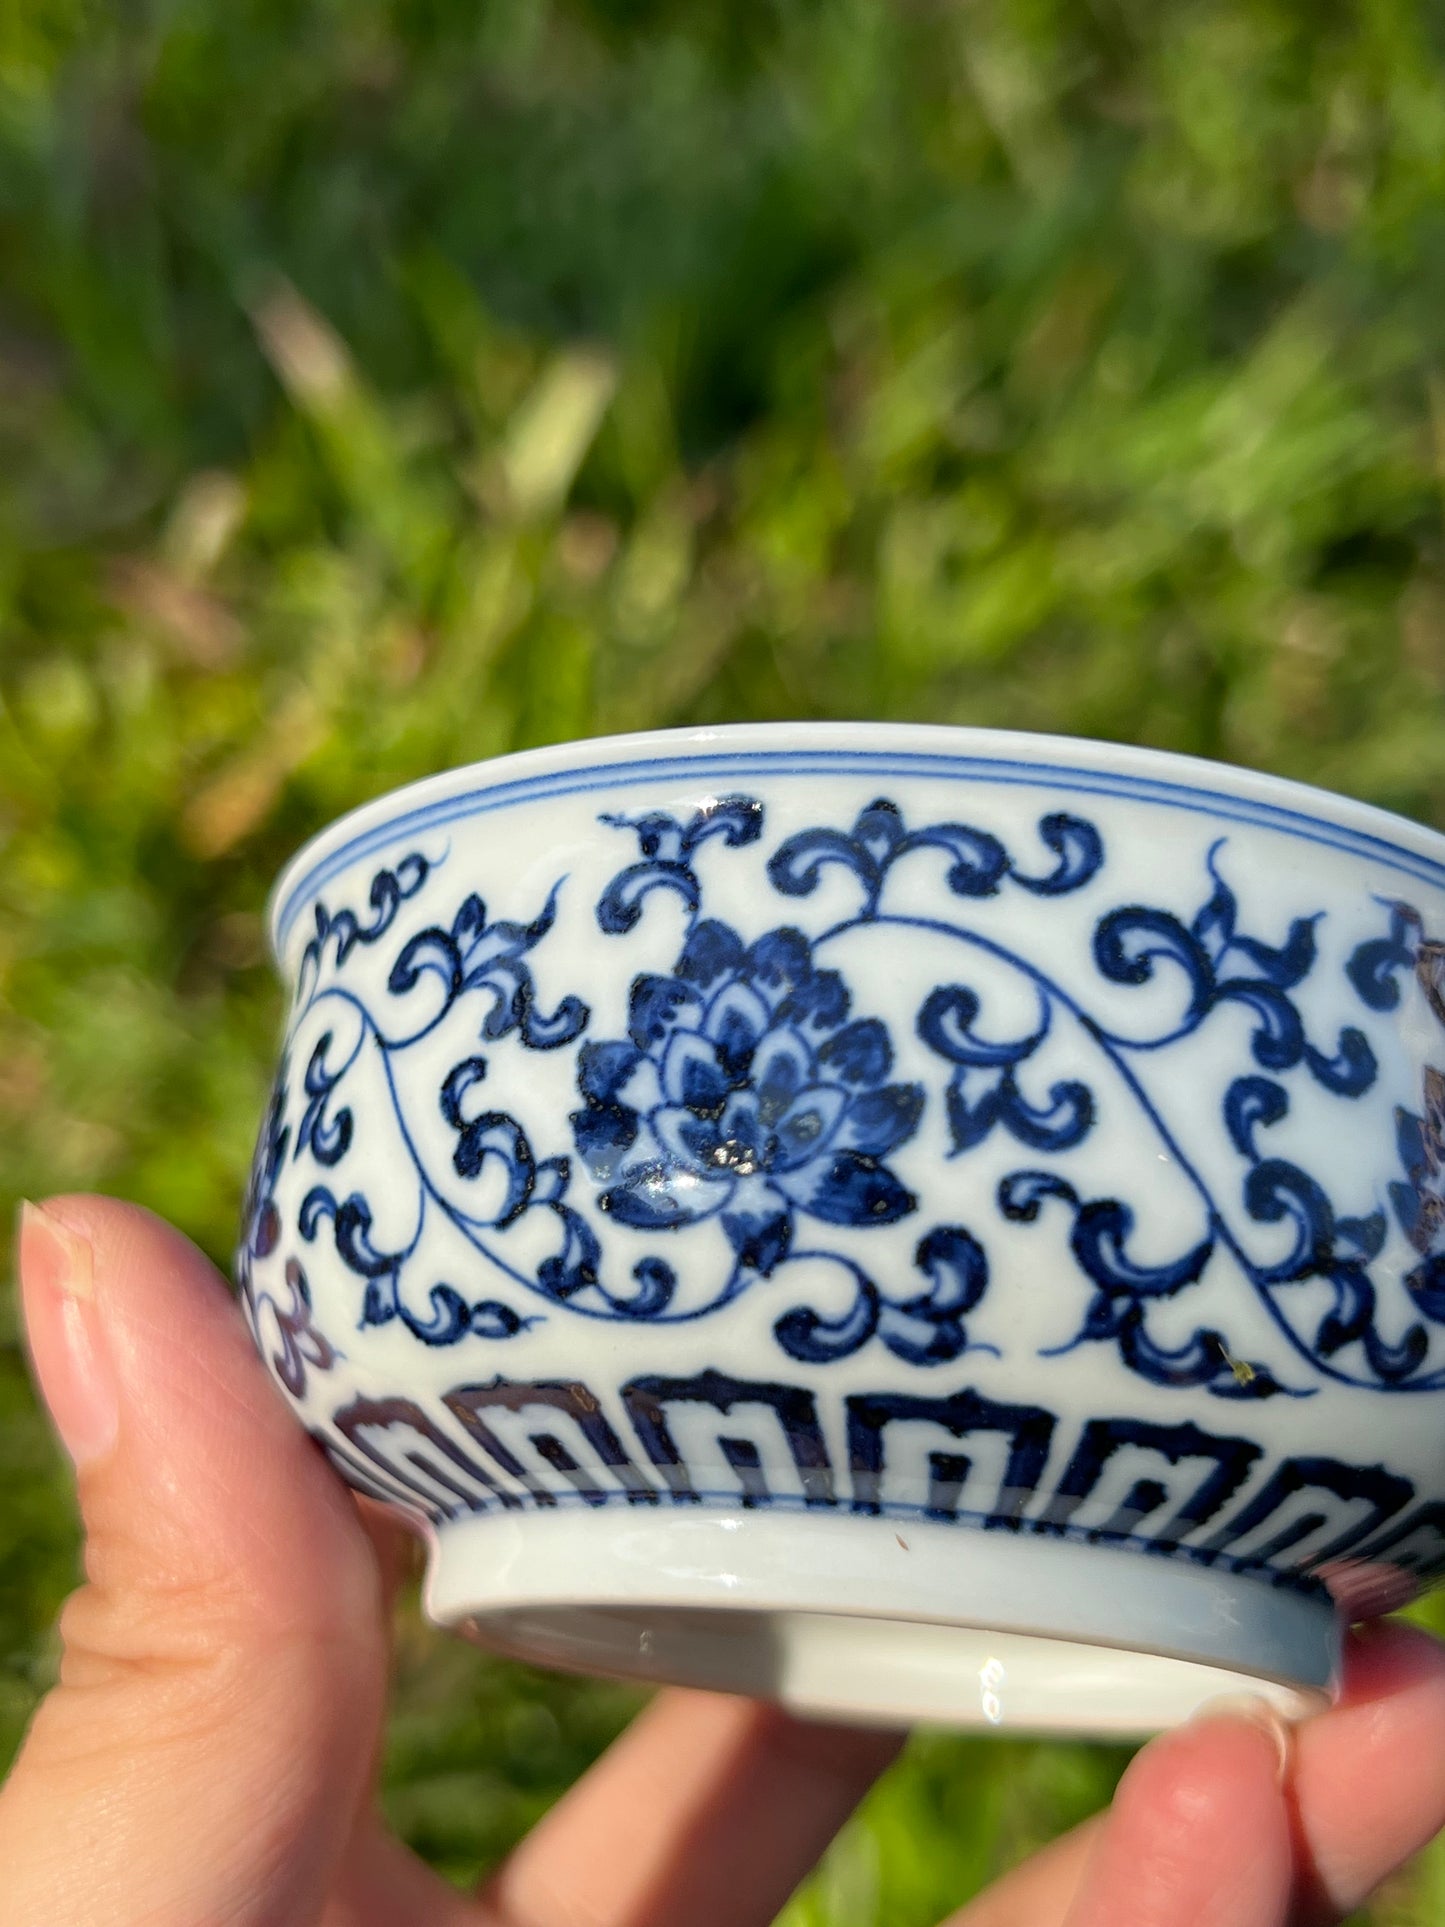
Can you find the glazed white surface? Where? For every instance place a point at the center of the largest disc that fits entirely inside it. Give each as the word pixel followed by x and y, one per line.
pixel 1047 1416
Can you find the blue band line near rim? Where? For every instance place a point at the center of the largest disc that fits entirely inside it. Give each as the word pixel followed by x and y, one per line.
pixel 736 765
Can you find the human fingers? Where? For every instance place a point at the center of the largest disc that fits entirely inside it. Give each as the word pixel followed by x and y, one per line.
pixel 399 1552
pixel 1366 1791
pixel 1368 1787
pixel 1197 1821
pixel 1198 1832
pixel 222 1682
pixel 708 1810
pixel 381 1883
pixel 1038 1892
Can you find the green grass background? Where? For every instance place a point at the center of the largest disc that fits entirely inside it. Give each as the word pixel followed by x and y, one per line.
pixel 391 383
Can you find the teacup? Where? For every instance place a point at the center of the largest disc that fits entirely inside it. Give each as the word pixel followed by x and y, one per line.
pixel 917 1223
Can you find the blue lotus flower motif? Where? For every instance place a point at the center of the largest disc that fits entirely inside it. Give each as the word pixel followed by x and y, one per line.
pixel 743 1091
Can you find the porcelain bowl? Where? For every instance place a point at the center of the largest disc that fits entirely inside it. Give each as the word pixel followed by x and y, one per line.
pixel 916 1223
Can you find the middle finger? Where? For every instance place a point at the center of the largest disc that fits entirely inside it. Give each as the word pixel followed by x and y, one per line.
pixel 708 1810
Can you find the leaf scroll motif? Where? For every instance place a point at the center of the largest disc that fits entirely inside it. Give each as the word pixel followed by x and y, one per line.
pixel 750 1088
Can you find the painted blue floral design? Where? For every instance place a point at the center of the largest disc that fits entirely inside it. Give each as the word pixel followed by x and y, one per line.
pixel 745 1091
pixel 751 1094
pixel 1419 1197
pixel 300 1347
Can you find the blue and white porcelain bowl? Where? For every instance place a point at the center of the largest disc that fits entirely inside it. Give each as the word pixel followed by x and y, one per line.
pixel 917 1223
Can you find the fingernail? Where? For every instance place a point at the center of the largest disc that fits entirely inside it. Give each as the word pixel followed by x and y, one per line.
pixel 1258 1712
pixel 68 1348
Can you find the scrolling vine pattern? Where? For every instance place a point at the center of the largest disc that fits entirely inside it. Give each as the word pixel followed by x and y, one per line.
pixel 750 1093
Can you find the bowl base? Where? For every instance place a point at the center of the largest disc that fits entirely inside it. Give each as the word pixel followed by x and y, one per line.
pixel 885 1622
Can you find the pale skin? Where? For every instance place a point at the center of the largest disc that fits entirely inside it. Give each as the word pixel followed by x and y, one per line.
pixel 207 1758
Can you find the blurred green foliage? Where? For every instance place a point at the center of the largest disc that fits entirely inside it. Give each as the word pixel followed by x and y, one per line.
pixel 391 383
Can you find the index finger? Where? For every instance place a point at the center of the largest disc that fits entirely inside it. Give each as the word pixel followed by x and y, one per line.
pixel 1197 1810
pixel 1369 1779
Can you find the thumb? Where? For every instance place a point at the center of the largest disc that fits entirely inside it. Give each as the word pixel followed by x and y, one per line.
pixel 223 1670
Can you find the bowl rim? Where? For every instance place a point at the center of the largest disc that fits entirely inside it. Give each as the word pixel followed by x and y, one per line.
pixel 1093 765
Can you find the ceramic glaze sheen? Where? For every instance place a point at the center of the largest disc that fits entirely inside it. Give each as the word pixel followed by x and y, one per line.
pixel 922 1224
